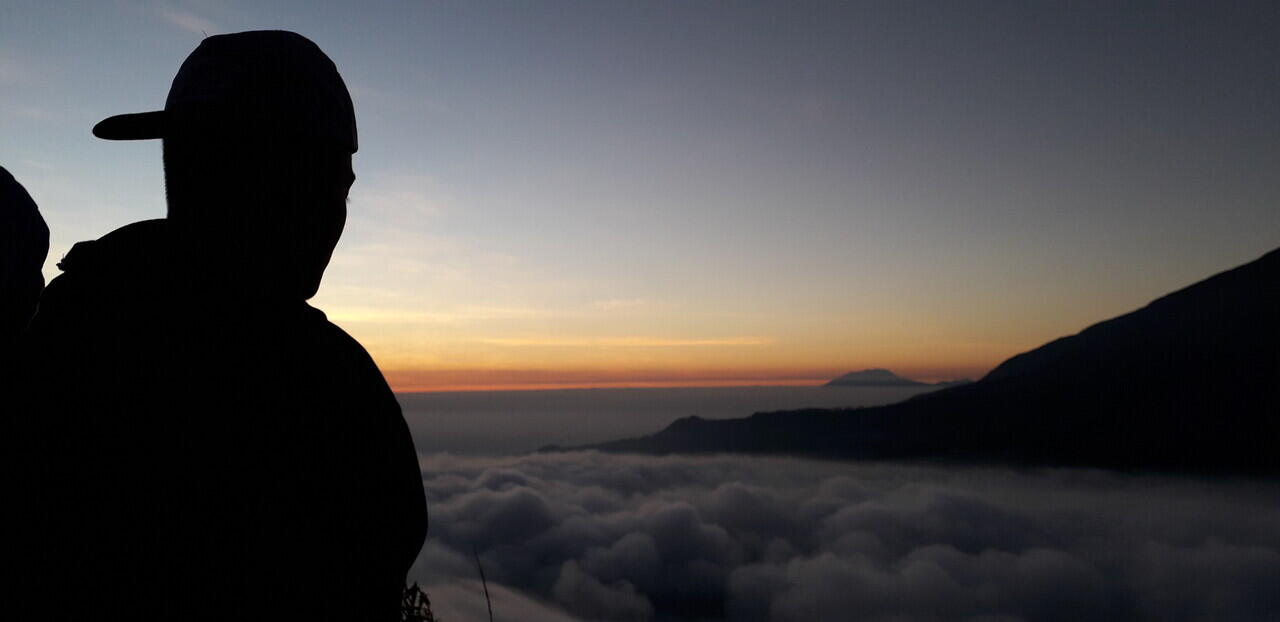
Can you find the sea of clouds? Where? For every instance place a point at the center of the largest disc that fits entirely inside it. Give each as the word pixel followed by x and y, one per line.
pixel 595 536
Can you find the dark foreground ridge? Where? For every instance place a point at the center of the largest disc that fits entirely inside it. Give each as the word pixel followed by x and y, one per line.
pixel 1187 383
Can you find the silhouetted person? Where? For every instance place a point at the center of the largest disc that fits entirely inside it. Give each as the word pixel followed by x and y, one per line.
pixel 24 244
pixel 216 449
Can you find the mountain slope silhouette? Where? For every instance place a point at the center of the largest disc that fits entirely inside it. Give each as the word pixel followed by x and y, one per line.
pixel 1187 383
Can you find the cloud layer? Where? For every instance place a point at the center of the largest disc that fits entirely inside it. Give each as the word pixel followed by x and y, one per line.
pixel 606 537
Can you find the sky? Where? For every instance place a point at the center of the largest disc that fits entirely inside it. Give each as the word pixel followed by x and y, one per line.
pixel 557 194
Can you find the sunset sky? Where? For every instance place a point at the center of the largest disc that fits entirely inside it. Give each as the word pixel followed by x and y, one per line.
pixel 604 193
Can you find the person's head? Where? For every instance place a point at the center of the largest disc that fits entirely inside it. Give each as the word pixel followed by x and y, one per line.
pixel 258 135
pixel 271 209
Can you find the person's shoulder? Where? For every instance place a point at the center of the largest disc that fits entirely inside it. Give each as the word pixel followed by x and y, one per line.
pixel 121 251
pixel 339 342
pixel 351 376
pixel 102 269
pixel 331 331
pixel 132 243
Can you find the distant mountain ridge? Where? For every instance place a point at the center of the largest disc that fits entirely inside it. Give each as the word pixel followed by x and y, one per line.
pixel 874 378
pixel 884 378
pixel 1186 383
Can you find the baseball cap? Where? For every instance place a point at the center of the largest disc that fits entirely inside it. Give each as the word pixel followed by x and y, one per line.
pixel 265 83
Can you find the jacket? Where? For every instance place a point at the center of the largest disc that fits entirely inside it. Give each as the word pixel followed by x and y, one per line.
pixel 202 448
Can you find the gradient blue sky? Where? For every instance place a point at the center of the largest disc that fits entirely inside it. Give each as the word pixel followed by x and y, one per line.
pixel 592 193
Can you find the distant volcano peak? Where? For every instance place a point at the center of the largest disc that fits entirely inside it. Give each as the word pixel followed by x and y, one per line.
pixel 877 377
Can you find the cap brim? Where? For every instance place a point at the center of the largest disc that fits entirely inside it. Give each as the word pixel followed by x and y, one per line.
pixel 137 126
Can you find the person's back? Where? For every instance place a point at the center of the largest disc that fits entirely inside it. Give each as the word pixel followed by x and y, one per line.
pixel 215 448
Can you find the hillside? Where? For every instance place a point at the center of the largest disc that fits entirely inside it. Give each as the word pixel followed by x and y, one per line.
pixel 1188 382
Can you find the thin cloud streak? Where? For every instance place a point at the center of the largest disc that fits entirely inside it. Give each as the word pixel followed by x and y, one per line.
pixel 190 22
pixel 374 315
pixel 414 376
pixel 399 197
pixel 32 113
pixel 619 305
pixel 625 342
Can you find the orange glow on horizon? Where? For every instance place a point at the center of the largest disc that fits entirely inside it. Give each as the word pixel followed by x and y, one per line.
pixel 636 384
pixel 449 380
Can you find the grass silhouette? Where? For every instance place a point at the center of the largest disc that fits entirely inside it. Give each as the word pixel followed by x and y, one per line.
pixel 415 606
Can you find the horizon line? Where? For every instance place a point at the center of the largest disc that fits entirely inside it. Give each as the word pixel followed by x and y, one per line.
pixel 624 384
